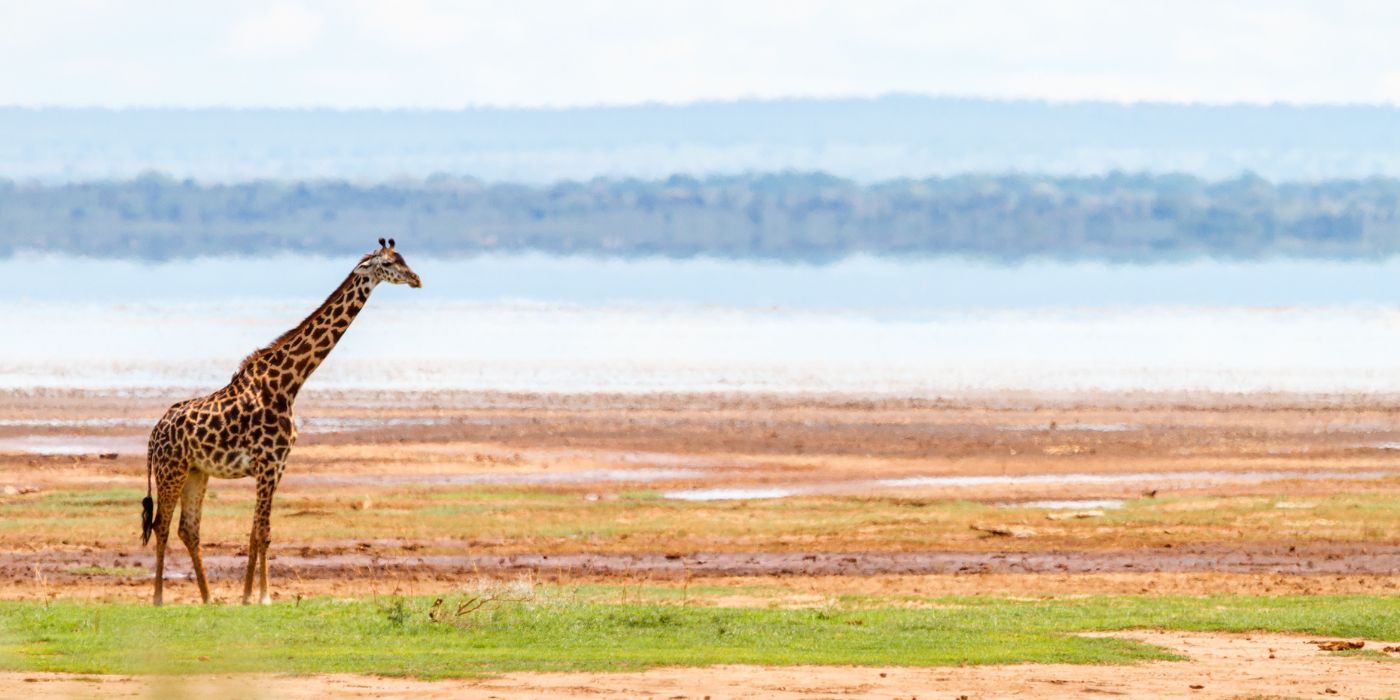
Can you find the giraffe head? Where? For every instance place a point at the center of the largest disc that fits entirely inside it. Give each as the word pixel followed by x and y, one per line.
pixel 386 265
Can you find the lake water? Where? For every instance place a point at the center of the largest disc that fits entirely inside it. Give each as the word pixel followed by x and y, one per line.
pixel 534 323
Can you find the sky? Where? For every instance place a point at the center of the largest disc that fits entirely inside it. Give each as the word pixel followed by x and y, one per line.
pixel 560 53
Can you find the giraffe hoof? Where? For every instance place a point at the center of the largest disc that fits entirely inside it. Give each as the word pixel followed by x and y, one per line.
pixel 266 600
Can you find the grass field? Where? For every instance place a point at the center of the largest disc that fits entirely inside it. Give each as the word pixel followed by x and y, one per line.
pixel 551 629
pixel 556 521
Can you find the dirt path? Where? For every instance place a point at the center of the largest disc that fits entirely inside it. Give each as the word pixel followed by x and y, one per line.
pixel 1220 666
pixel 381 558
pixel 1245 568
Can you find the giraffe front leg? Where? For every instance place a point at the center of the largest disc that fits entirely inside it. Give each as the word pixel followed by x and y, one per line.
pixel 263 597
pixel 252 563
pixel 274 476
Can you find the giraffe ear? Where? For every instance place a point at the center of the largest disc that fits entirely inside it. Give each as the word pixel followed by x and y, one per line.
pixel 381 243
pixel 391 244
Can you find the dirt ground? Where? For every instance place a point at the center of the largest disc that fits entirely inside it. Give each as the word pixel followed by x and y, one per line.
pixel 368 464
pixel 1244 494
pixel 1219 666
pixel 821 444
pixel 1204 569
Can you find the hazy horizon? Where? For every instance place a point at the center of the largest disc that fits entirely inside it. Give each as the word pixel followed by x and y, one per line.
pixel 868 140
pixel 431 53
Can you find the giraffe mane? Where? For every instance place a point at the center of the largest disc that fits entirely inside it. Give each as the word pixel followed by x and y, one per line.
pixel 277 342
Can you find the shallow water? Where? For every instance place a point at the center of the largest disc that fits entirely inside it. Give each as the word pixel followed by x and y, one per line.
pixel 76 422
pixel 331 424
pixel 729 494
pixel 1070 427
pixel 1174 478
pixel 589 476
pixel 74 444
pixel 856 283
pixel 1195 479
pixel 1072 504
pixel 533 323
pixel 532 347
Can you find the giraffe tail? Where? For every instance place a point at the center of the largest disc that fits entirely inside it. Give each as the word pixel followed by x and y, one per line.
pixel 148 519
pixel 148 509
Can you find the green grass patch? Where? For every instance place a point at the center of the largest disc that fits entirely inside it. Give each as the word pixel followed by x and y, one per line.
pixel 572 630
pixel 494 494
pixel 122 571
pixel 1372 654
pixel 88 498
pixel 548 519
pixel 400 637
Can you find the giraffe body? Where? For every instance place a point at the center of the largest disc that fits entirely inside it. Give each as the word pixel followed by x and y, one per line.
pixel 246 429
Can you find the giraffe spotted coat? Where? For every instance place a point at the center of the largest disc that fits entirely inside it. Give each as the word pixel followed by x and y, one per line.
pixel 245 429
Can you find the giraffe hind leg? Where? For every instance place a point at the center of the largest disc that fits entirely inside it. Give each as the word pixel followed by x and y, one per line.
pixel 170 481
pixel 191 504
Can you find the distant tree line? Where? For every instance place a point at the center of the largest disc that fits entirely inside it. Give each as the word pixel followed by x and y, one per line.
pixel 792 216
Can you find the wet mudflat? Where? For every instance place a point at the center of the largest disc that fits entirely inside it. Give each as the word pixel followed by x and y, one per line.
pixel 441 486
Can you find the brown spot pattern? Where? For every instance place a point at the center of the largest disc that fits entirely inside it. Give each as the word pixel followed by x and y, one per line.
pixel 246 429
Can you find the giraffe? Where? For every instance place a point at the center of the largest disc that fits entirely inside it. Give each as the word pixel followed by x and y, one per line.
pixel 245 429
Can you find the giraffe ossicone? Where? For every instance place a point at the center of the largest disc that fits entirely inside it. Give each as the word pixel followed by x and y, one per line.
pixel 245 429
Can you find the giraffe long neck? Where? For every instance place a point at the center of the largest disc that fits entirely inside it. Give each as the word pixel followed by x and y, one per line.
pixel 297 353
